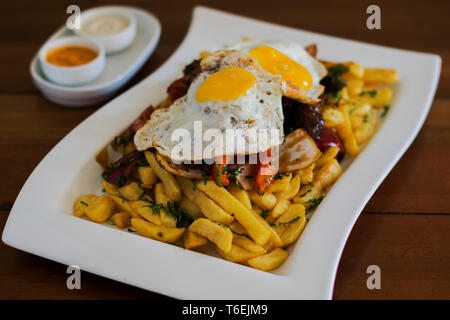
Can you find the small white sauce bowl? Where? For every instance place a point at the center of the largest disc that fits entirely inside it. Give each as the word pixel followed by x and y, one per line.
pixel 72 76
pixel 112 43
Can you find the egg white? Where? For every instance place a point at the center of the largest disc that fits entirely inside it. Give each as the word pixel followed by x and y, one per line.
pixel 296 52
pixel 259 108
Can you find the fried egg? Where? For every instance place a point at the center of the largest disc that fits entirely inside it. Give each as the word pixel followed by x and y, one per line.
pixel 232 91
pixel 300 72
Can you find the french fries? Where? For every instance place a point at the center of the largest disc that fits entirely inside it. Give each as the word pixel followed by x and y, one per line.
pixel 345 132
pixel 290 225
pixel 99 209
pixel 110 188
pixel 244 216
pixel 219 235
pixel 193 240
pixel 265 201
pixel 147 175
pixel 269 261
pixel 144 210
pixel 190 207
pixel 134 192
pixel 280 185
pixel 376 75
pixel 237 254
pixel 124 205
pixel 170 183
pixel 294 186
pixel 162 198
pixel 121 219
pixel 332 117
pixel 80 206
pixel 206 205
pixel 152 231
pixel 241 195
pixel 330 154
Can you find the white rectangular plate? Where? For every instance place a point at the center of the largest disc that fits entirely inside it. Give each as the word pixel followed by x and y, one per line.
pixel 41 221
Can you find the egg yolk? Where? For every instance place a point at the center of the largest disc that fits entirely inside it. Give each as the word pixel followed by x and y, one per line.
pixel 225 85
pixel 277 62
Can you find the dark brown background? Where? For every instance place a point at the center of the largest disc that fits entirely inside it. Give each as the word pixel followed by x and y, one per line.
pixel 405 228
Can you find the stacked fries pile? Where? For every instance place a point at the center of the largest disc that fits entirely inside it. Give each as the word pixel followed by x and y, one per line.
pixel 247 227
pixel 352 110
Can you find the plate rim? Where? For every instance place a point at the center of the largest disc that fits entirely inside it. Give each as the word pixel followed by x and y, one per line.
pixel 14 239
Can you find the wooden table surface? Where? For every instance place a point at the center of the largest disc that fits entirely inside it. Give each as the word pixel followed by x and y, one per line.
pixel 405 227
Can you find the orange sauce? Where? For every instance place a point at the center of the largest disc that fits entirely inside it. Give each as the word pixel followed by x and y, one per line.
pixel 70 56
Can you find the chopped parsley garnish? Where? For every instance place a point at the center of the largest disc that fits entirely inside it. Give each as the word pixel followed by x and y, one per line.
pixel 285 224
pixel 336 71
pixel 385 111
pixel 131 230
pixel 84 203
pixel 110 222
pixel 336 96
pixel 314 202
pixel 179 214
pixel 123 140
pixel 265 213
pixel 367 117
pixel 280 175
pixel 142 195
pixel 232 231
pixel 156 207
pixel 124 199
pixel 194 184
pixel 172 210
pixel 352 110
pixel 304 194
pixel 121 181
pixel 371 93
pixel 142 163
pixel 311 184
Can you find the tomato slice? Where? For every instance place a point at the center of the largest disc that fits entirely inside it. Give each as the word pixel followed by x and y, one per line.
pixel 218 172
pixel 264 176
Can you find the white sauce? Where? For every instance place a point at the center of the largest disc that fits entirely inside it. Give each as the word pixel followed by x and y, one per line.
pixel 105 25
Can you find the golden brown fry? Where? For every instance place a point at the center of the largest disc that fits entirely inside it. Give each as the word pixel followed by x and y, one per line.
pixel 121 219
pixel 80 206
pixel 265 201
pixel 207 206
pixel 171 186
pixel 237 254
pixel 243 215
pixel 100 209
pixel 110 188
pixel 124 205
pixel 269 261
pixel 377 75
pixel 345 132
pixel 219 235
pixel 144 210
pixel 193 240
pixel 241 195
pixel 162 198
pixel 152 231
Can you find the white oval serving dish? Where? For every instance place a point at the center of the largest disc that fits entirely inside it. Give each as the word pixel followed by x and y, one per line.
pixel 119 68
pixel 41 221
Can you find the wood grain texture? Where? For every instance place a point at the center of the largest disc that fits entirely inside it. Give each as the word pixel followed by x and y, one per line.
pixel 403 228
